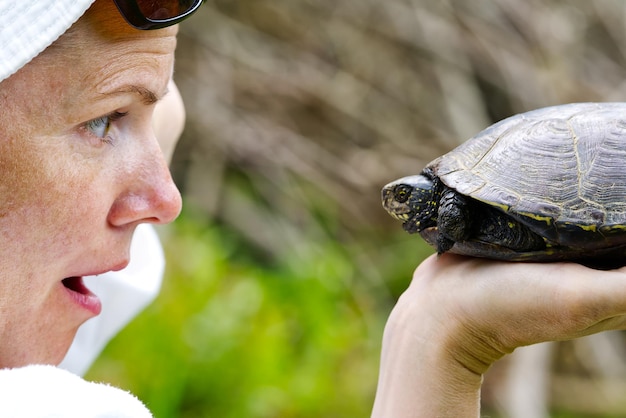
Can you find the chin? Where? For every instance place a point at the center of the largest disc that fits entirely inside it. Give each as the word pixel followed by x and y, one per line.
pixel 45 351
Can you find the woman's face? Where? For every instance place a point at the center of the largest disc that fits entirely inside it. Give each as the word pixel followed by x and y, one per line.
pixel 80 168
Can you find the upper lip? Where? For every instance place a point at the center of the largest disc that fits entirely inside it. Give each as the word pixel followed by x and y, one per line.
pixel 114 267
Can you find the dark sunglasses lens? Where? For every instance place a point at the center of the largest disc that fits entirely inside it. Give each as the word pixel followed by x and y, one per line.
pixel 164 9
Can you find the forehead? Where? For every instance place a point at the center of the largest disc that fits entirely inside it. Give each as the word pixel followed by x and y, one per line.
pixel 101 52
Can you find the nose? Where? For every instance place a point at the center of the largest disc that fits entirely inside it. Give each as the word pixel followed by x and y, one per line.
pixel 151 197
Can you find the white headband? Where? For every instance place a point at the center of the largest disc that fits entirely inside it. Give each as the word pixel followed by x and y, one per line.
pixel 27 27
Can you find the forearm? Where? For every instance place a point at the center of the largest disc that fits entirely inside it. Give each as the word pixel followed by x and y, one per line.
pixel 419 375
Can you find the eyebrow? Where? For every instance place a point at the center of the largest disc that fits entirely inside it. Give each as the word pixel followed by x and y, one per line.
pixel 148 97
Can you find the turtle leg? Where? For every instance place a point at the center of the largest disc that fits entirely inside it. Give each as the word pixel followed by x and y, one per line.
pixel 454 219
pixel 497 228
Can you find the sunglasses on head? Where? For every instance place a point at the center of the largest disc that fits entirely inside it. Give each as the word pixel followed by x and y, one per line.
pixel 156 14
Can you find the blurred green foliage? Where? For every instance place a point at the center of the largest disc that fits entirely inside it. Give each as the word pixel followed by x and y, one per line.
pixel 233 336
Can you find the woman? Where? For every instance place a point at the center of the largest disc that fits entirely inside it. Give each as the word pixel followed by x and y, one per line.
pixel 81 169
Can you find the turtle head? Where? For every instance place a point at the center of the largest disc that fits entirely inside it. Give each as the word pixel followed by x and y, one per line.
pixel 413 200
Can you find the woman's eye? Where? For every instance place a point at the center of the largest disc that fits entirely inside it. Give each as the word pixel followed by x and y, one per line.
pixel 100 127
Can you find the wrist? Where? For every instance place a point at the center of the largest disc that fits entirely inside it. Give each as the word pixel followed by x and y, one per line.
pixel 423 371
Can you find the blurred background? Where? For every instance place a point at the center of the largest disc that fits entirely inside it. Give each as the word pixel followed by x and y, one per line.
pixel 283 266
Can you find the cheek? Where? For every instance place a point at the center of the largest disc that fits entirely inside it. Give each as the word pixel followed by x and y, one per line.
pixel 46 194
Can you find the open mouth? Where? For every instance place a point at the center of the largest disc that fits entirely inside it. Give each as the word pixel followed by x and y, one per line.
pixel 82 295
pixel 76 284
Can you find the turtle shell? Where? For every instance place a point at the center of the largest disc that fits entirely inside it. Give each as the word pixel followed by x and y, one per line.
pixel 560 170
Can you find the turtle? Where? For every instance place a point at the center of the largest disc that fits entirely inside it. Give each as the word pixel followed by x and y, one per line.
pixel 545 185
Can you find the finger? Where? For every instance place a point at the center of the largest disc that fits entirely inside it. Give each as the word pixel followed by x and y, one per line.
pixel 530 302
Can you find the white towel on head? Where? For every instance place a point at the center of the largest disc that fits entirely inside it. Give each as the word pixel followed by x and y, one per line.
pixel 27 27
pixel 40 391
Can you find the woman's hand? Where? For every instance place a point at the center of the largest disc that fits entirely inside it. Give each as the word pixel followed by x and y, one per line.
pixel 460 315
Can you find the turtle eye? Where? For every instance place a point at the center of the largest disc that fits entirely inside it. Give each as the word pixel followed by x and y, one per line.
pixel 402 193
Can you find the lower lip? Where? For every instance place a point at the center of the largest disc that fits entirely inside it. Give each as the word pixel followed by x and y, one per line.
pixel 82 296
